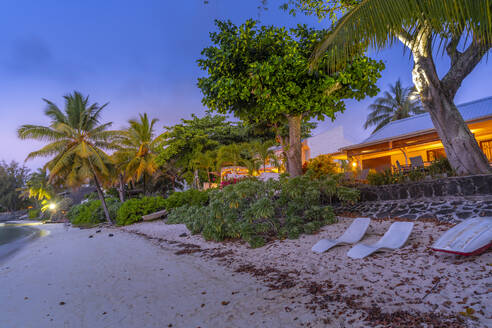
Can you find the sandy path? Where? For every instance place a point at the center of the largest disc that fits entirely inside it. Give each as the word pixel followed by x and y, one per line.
pixel 125 281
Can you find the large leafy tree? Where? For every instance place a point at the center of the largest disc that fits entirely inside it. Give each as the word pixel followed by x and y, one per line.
pixel 397 103
pixel 76 143
pixel 260 74
pixel 458 29
pixel 183 143
pixel 13 177
pixel 136 155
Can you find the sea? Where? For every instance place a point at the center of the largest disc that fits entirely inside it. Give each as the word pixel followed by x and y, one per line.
pixel 14 236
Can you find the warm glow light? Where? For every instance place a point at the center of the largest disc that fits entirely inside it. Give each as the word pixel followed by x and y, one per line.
pixel 354 164
pixel 52 206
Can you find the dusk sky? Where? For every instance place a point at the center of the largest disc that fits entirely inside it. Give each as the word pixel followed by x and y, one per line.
pixel 141 57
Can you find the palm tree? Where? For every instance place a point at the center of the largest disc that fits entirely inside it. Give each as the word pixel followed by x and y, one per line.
pixel 230 155
pixel 419 25
pixel 76 143
pixel 137 146
pixel 264 152
pixel 205 161
pixel 396 104
pixel 37 187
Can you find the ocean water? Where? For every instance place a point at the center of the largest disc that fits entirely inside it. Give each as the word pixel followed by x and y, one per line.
pixel 13 237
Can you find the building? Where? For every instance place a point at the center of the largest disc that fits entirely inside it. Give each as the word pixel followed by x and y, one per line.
pixel 326 143
pixel 415 136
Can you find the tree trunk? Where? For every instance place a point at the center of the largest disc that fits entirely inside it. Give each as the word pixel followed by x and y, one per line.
pixel 101 198
pixel 121 189
pixel 294 153
pixel 437 96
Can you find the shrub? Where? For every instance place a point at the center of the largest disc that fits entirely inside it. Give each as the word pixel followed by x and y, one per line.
pixel 319 166
pixel 189 197
pixel 91 212
pixel 34 213
pixel 258 211
pixel 133 209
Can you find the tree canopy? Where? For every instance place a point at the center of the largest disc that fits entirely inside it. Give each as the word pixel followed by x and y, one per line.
pixel 260 73
pixel 13 177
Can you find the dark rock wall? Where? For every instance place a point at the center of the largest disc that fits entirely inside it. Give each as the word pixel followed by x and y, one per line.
pixel 453 186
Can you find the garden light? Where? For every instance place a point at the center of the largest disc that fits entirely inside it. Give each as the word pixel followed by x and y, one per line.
pixel 52 206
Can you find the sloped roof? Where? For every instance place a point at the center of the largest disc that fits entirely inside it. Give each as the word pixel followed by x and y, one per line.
pixel 328 142
pixel 474 110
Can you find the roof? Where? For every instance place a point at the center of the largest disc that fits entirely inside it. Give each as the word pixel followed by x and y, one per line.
pixel 418 124
pixel 328 142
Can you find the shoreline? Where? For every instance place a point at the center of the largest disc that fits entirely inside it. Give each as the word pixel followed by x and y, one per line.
pixel 154 275
pixel 11 247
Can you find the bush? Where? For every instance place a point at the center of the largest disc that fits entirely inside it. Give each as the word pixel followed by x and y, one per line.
pixel 189 197
pixel 133 209
pixel 91 212
pixel 34 213
pixel 258 211
pixel 320 166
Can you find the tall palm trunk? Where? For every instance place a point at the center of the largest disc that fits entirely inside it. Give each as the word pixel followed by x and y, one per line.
pixel 294 153
pixel 100 193
pixel 437 96
pixel 121 188
pixel 101 198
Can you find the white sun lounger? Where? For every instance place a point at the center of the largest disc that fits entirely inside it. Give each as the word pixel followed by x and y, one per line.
pixel 470 237
pixel 394 238
pixel 353 234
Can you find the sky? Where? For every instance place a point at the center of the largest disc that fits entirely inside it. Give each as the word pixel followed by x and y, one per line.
pixel 140 56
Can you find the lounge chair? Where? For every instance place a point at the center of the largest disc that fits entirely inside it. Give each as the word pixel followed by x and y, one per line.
pixel 417 162
pixel 353 234
pixel 394 238
pixel 470 237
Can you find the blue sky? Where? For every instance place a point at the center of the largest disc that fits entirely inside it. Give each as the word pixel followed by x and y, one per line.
pixel 141 57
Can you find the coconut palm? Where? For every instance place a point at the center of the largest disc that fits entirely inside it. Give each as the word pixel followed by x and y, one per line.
pixel 76 143
pixel 230 155
pixel 396 104
pixel 263 152
pixel 136 152
pixel 205 161
pixel 37 187
pixel 462 28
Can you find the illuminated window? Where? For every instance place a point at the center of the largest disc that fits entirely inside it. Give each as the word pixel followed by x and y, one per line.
pixel 435 154
pixel 487 148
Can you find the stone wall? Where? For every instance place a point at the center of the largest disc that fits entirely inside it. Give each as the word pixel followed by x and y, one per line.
pixel 452 186
pixel 448 209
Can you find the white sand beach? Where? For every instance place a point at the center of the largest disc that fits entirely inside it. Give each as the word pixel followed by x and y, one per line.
pixel 157 275
pixel 67 279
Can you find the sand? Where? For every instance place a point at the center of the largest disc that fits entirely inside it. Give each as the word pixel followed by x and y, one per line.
pixel 157 275
pixel 413 284
pixel 67 279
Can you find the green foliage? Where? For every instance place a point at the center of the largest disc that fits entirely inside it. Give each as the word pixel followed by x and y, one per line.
pixel 91 212
pixel 191 197
pixel 13 177
pixel 260 74
pixel 183 143
pixel 441 166
pixel 436 169
pixel 397 104
pixel 319 166
pixel 34 213
pixel 257 211
pixel 133 209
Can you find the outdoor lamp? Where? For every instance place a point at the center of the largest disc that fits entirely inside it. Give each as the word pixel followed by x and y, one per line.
pixel 52 206
pixel 354 164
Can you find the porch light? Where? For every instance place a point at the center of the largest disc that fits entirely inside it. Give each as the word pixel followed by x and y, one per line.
pixel 354 164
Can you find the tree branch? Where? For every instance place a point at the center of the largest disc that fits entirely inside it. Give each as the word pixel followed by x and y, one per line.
pixel 462 64
pixel 452 50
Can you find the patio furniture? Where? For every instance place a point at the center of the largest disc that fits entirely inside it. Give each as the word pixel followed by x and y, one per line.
pixel 362 178
pixel 353 234
pixel 394 238
pixel 470 237
pixel 417 162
